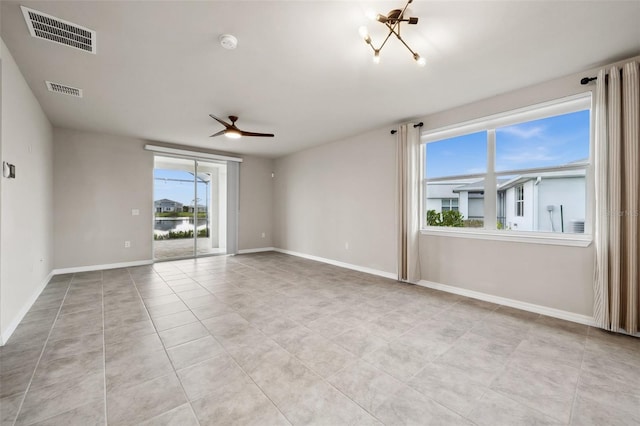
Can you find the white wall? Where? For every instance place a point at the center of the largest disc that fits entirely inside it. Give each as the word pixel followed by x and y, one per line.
pixel 256 203
pixel 27 202
pixel 551 276
pixel 337 194
pixel 98 180
pixel 568 192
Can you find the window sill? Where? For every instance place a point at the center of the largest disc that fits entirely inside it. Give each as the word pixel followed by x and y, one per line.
pixel 571 240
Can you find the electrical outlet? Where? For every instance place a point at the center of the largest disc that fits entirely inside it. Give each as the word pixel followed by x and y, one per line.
pixel 127 244
pixel 135 212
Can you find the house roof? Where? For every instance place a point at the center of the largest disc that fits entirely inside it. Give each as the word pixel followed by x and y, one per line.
pixel 301 70
pixel 477 185
pixel 520 179
pixel 166 200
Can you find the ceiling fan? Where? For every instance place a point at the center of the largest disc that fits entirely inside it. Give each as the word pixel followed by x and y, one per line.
pixel 231 131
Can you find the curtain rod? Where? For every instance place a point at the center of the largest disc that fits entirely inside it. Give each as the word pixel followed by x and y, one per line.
pixel 420 124
pixel 587 80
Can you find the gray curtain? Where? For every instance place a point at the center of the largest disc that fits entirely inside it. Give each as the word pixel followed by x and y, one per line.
pixel 617 222
pixel 408 159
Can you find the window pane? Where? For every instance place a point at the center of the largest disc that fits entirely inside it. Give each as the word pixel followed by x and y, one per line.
pixel 461 199
pixel 462 155
pixel 548 142
pixel 446 200
pixel 542 202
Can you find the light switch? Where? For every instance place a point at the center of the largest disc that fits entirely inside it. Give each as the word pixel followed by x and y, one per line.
pixel 135 212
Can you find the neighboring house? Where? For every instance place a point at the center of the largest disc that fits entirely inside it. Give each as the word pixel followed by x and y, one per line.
pixel 165 205
pixel 189 209
pixel 545 202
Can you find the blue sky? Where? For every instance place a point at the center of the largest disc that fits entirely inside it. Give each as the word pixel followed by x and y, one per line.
pixel 176 191
pixel 546 142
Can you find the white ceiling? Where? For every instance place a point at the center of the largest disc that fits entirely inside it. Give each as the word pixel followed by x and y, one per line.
pixel 301 70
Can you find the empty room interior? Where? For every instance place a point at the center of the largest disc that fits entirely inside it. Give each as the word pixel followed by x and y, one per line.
pixel 320 212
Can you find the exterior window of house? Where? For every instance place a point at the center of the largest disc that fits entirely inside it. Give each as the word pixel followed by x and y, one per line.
pixel 519 200
pixel 526 170
pixel 449 204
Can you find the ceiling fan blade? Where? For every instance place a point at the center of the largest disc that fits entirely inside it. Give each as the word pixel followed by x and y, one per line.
pixel 221 132
pixel 266 135
pixel 227 125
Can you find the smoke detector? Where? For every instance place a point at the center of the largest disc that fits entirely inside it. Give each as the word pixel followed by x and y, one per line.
pixel 228 41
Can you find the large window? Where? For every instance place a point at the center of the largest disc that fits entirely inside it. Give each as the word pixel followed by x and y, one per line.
pixel 523 171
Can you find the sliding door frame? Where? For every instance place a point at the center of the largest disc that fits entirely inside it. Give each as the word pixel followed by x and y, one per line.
pixel 233 189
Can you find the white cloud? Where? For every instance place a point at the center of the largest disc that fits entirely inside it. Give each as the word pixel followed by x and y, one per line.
pixel 523 131
pixel 539 154
pixel 475 170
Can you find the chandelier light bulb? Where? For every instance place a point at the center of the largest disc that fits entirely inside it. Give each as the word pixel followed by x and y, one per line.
pixel 364 32
pixel 421 61
pixel 371 14
pixel 376 56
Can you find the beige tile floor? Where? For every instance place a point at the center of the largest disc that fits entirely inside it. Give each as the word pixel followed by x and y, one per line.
pixel 270 339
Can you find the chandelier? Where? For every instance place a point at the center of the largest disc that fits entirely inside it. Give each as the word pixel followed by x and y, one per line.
pixel 392 21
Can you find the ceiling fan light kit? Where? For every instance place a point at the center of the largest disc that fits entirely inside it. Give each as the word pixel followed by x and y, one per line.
pixel 232 132
pixel 392 21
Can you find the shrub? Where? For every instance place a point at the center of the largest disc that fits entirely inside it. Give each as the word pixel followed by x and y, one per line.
pixel 175 235
pixel 450 218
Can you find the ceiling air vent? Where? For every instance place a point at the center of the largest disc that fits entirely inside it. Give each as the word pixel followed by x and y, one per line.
pixel 65 90
pixel 50 28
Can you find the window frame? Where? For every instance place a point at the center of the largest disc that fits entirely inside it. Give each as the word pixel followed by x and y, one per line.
pixel 489 124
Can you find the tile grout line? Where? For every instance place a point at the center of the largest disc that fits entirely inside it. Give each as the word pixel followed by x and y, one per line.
pixel 464 416
pixel 184 393
pixel 24 397
pixel 104 359
pixel 268 337
pixel 507 396
pixel 580 371
pixel 322 379
pixel 231 357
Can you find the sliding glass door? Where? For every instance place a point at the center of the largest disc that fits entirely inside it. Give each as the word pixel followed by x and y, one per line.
pixel 190 205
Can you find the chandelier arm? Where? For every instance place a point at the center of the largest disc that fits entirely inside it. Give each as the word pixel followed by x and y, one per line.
pixel 407 46
pixel 397 34
pixel 405 8
pixel 372 47
pixel 391 31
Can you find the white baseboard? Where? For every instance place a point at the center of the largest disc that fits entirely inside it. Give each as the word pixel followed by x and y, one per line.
pixel 530 307
pixel 8 331
pixel 256 250
pixel 101 267
pixel 340 264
